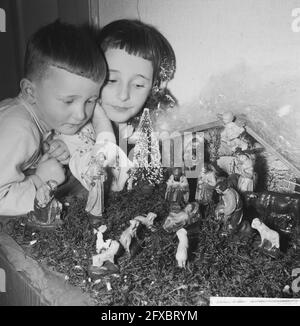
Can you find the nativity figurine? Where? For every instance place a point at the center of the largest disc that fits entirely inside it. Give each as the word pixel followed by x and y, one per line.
pixel 47 209
pixel 100 243
pixel 107 254
pixel 229 210
pixel 95 176
pixel 206 183
pixel 128 235
pixel 177 191
pixel 243 167
pixel 147 220
pixel 182 249
pixel 231 136
pixel 267 235
pixel 189 215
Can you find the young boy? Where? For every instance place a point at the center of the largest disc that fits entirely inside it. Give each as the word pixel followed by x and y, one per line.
pixel 59 91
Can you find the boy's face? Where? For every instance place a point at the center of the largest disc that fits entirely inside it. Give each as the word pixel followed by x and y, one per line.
pixel 128 86
pixel 65 101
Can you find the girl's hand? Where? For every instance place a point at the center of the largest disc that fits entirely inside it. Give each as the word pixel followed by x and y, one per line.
pixel 58 149
pixel 43 195
pixel 50 169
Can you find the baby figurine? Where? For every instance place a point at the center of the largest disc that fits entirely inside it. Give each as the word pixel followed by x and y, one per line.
pixel 230 136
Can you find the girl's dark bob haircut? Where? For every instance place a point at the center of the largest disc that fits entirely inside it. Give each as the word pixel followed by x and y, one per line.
pixel 66 46
pixel 142 40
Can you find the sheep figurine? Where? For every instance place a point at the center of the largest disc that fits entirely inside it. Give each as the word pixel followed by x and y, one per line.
pixel 147 220
pixel 107 255
pixel 128 234
pixel 266 233
pixel 182 249
pixel 100 243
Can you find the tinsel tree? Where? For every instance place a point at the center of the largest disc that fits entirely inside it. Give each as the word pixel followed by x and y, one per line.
pixel 146 158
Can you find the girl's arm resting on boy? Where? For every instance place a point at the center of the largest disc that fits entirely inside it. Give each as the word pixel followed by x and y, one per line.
pixel 102 125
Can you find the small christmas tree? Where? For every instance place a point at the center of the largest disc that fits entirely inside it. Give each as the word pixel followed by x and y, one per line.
pixel 146 158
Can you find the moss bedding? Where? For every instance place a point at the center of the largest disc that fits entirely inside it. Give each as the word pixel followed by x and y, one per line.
pixel 217 266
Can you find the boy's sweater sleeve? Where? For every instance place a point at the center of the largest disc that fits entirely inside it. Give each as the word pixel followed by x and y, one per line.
pixel 17 192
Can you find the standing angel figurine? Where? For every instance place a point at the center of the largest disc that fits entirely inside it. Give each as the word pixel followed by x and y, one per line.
pixel 205 185
pixel 96 175
pixel 177 188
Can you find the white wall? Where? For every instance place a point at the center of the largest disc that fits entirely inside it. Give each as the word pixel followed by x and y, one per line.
pixel 239 55
pixel 213 36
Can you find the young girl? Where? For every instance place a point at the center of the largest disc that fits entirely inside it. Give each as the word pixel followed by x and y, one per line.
pixel 140 62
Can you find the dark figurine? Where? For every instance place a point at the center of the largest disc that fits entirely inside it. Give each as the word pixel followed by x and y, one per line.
pixel 267 202
pixel 177 188
pixel 187 216
pixel 47 209
pixel 229 209
pixel 205 185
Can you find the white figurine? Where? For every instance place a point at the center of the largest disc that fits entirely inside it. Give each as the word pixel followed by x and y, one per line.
pixel 147 220
pixel 96 176
pixel 128 234
pixel 266 233
pixel 107 255
pixel 100 244
pixel 182 249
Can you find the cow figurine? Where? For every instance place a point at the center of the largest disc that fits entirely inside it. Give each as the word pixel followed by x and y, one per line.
pixel 267 202
pixel 266 234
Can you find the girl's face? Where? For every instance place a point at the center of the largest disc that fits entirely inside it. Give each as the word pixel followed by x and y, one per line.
pixel 129 83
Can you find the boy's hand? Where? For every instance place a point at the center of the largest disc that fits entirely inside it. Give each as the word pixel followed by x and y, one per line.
pixel 51 169
pixel 57 149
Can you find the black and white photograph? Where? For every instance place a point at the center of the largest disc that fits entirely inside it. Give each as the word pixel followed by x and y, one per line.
pixel 149 155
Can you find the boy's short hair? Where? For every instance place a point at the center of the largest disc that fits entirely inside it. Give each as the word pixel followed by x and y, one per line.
pixel 65 46
pixel 143 40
